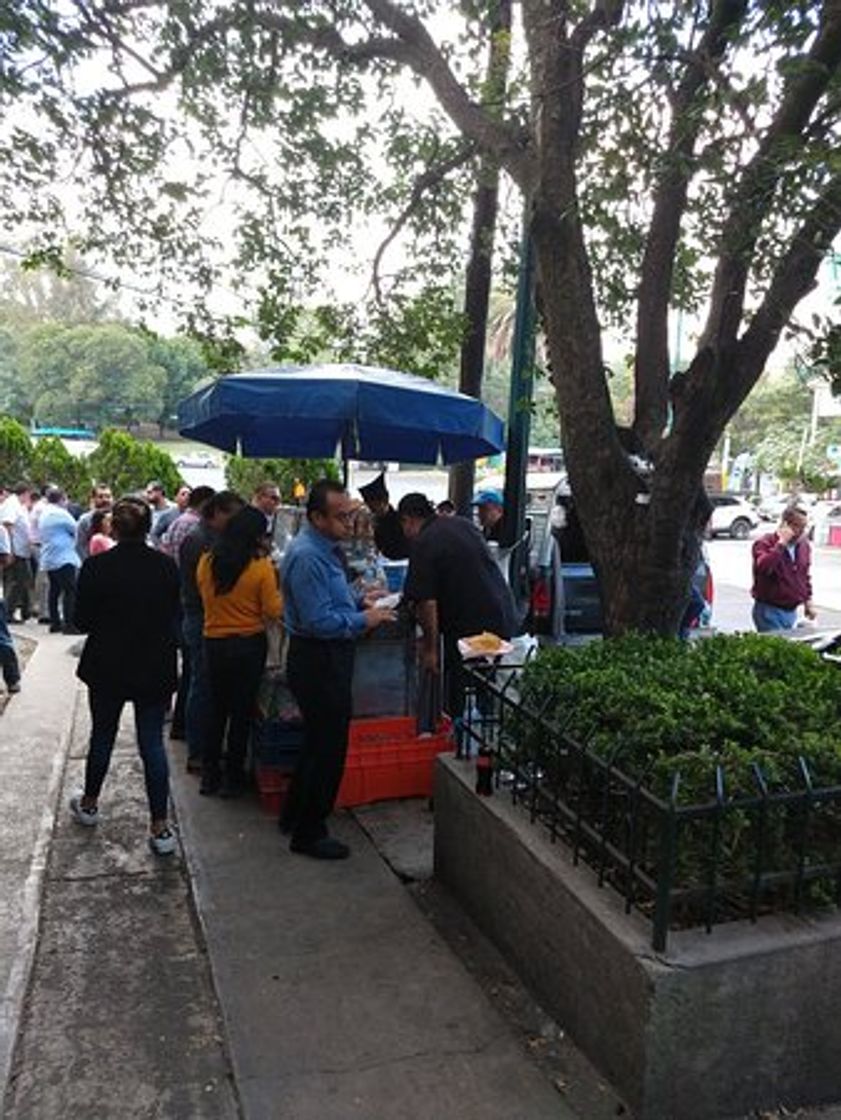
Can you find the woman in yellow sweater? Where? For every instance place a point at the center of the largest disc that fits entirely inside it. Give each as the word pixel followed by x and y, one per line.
pixel 239 591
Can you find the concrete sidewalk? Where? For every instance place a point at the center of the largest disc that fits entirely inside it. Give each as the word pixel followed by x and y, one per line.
pixel 120 1017
pixel 339 999
pixel 233 979
pixel 34 737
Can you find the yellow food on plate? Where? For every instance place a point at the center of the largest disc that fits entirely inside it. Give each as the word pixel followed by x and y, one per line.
pixel 486 642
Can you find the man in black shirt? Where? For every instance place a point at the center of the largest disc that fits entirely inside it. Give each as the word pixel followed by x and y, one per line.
pixel 456 586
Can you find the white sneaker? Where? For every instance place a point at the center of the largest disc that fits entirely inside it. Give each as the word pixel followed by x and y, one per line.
pixel 164 844
pixel 87 817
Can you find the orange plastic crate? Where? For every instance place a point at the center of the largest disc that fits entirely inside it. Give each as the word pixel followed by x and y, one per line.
pixel 387 760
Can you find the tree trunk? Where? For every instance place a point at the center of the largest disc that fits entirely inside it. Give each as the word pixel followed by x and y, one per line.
pixel 477 287
pixel 476 302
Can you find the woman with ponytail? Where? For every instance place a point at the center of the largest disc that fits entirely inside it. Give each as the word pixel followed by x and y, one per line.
pixel 239 590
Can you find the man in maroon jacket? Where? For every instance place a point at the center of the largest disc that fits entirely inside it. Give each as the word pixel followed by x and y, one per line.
pixel 781 580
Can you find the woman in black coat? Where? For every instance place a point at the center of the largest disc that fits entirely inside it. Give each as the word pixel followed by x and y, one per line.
pixel 127 602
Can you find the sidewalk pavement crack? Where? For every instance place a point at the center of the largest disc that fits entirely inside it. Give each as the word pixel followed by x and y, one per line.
pixel 400 1059
pixel 141 873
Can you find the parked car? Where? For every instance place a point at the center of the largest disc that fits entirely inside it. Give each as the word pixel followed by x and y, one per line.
pixel 564 595
pixel 197 459
pixel 732 516
pixel 771 508
pixel 823 516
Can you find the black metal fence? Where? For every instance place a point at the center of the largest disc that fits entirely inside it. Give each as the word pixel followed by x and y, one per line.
pixel 680 864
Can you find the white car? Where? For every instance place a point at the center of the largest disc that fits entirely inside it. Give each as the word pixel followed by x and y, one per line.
pixel 197 459
pixel 732 516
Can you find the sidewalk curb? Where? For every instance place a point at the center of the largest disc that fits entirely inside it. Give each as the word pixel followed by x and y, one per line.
pixel 13 997
pixel 191 864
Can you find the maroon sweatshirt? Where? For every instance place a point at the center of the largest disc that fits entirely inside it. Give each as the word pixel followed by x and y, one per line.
pixel 777 579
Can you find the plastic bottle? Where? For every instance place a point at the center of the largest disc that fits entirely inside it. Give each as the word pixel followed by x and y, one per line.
pixel 484 772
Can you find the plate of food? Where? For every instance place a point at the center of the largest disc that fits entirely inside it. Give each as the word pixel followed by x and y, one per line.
pixel 485 644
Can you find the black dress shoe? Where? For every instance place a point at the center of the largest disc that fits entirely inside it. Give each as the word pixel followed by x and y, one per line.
pixel 328 847
pixel 55 627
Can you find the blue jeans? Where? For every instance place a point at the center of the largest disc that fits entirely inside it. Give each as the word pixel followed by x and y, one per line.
pixel 197 711
pixel 149 725
pixel 767 617
pixel 8 656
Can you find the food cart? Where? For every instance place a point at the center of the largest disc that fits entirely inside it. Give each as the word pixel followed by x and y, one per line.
pixel 359 413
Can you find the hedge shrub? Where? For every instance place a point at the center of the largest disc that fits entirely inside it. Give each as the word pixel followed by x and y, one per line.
pixel 657 706
pixel 731 699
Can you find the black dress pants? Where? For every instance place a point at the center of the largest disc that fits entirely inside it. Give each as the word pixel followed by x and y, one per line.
pixel 63 589
pixel 320 674
pixel 234 668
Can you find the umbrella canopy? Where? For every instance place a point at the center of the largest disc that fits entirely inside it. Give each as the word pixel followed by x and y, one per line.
pixel 312 412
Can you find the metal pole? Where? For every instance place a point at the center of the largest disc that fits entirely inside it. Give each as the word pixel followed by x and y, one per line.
pixel 520 399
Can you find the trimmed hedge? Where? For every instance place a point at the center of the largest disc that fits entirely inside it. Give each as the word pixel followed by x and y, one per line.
pixel 653 707
pixel 667 705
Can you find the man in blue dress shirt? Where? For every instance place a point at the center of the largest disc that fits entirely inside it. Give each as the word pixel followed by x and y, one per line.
pixel 323 615
pixel 59 559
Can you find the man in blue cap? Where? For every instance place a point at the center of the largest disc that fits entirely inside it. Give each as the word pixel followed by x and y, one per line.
pixel 490 508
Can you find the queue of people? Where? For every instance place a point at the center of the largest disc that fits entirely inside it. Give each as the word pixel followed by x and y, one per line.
pixel 144 578
pixel 208 586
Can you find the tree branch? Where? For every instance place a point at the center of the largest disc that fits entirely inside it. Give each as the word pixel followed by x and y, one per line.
pixel 505 143
pixel 603 14
pixel 754 191
pixel 429 178
pixel 794 277
pixel 651 373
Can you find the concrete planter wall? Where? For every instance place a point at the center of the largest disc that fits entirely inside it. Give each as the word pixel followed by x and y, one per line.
pixel 746 1017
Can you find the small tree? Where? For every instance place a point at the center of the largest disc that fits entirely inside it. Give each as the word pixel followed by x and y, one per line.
pixel 245 475
pixel 15 451
pixel 52 463
pixel 127 464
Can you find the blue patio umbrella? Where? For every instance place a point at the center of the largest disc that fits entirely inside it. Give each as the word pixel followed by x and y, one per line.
pixel 357 412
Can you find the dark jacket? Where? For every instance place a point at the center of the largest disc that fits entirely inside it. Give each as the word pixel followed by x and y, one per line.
pixel 127 603
pixel 451 563
pixel 388 535
pixel 778 579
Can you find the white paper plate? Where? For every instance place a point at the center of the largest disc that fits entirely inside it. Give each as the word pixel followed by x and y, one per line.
pixel 389 602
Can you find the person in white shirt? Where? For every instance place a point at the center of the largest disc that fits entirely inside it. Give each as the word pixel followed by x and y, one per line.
pixel 17 575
